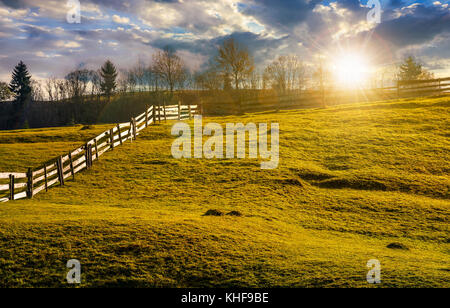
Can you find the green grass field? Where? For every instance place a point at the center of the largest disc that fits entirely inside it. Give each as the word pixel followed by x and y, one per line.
pixel 351 180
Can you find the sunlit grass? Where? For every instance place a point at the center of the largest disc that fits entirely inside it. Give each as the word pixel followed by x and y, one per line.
pixel 351 181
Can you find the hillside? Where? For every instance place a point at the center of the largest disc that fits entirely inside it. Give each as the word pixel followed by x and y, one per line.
pixel 352 180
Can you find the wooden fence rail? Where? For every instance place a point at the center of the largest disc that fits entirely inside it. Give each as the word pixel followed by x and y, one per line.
pixel 334 96
pixel 56 172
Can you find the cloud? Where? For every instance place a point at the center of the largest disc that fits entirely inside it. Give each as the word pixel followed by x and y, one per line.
pixel 280 15
pixel 120 20
pixel 36 30
pixel 67 44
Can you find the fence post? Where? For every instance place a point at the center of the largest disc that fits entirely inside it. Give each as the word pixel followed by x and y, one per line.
pixel 59 166
pixel 154 114
pixel 30 183
pixel 190 112
pixel 111 138
pixel 90 154
pixel 86 155
pixel 71 166
pixel 179 110
pixel 11 187
pixel 133 121
pixel 96 148
pixel 120 135
pixel 146 116
pixel 165 117
pixel 159 112
pixel 45 177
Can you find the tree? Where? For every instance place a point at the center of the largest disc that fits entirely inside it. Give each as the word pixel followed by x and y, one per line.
pixel 50 89
pixel 255 80
pixel 170 68
pixel 95 79
pixel 323 77
pixel 37 94
pixel 77 82
pixel 411 69
pixel 5 93
pixel 108 75
pixel 20 84
pixel 208 80
pixel 235 60
pixel 285 73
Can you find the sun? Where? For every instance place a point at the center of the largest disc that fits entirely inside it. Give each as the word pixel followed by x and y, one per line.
pixel 351 70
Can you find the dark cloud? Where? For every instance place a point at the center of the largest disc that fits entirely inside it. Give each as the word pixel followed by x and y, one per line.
pixel 15 4
pixel 261 47
pixel 418 26
pixel 281 14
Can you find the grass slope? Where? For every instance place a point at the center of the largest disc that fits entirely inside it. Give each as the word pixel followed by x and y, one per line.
pixel 351 181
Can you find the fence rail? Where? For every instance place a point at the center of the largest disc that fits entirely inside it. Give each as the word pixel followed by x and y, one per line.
pixel 62 168
pixel 335 96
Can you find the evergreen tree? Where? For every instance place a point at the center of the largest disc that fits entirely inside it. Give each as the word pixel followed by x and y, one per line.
pixel 108 74
pixel 20 84
pixel 410 69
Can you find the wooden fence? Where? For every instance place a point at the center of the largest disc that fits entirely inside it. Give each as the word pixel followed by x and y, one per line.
pixel 423 87
pixel 16 185
pixel 334 96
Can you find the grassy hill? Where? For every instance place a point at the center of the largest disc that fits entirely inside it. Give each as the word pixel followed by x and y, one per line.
pixel 352 180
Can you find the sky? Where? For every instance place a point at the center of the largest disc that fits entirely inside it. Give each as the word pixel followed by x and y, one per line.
pixel 38 32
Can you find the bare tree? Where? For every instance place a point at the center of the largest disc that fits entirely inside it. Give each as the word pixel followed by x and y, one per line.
pixel 122 81
pixel 131 79
pixel 235 60
pixel 37 94
pixel 50 89
pixel 139 72
pixel 5 93
pixel 285 73
pixel 56 92
pixel 77 82
pixel 63 89
pixel 95 80
pixel 169 68
pixel 208 80
pixel 323 77
pixel 255 80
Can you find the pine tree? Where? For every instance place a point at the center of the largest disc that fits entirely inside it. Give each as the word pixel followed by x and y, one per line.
pixel 410 69
pixel 108 75
pixel 20 87
pixel 20 84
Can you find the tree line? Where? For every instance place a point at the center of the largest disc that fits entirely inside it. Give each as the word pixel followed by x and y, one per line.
pixel 231 70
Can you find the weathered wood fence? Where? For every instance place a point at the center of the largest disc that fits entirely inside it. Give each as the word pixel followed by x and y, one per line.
pixel 16 185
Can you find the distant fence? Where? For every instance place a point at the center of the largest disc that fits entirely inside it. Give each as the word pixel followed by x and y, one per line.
pixel 269 100
pixel 423 87
pixel 15 186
